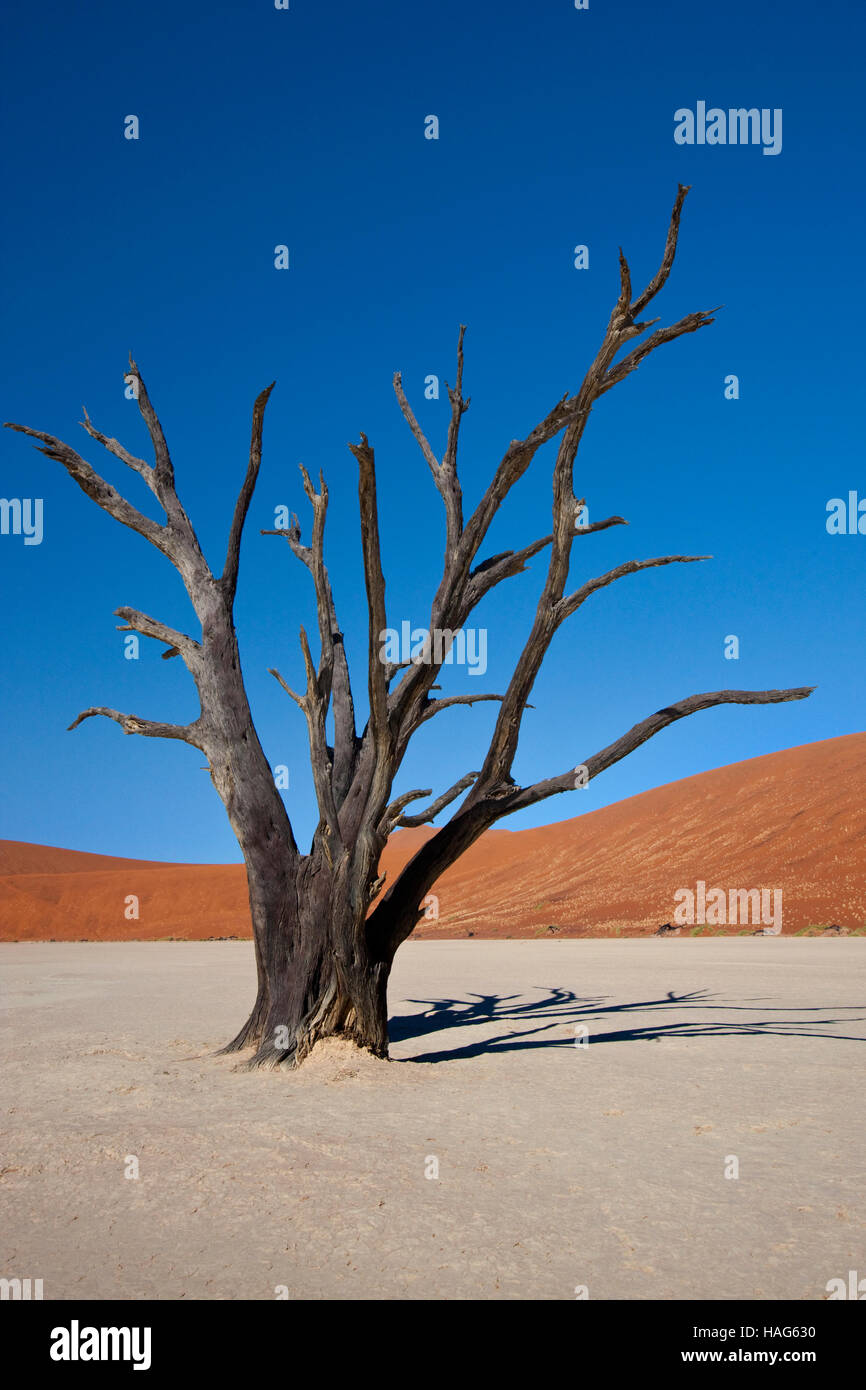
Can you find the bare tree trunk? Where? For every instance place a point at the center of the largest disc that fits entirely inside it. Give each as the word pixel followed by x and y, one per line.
pixel 318 977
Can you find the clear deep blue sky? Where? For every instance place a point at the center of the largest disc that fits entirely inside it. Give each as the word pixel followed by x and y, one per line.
pixel 306 127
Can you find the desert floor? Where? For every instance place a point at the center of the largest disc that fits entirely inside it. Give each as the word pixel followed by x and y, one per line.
pixel 559 1166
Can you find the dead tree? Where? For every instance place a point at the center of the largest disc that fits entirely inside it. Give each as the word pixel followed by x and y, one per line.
pixel 323 957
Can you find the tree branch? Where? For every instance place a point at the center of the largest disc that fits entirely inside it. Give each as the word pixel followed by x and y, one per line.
pixel 179 643
pixel 149 728
pixel 394 811
pixel 450 483
pixel 409 415
pixel 552 608
pixel 229 579
pixel 423 817
pixel 375 583
pixel 647 729
pixel 569 415
pixel 396 915
pixel 659 280
pixel 498 567
pixel 621 369
pixel 114 447
pixel 163 470
pixel 444 474
pixel 98 490
pixel 333 674
pixel 572 602
pixel 313 706
pixel 600 525
pixel 224 730
pixel 298 699
pixel 432 707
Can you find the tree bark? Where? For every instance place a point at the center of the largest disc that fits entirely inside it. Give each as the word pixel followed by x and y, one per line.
pixel 317 975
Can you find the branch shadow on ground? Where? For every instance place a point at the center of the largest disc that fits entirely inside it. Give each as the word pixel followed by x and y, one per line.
pixel 520 1021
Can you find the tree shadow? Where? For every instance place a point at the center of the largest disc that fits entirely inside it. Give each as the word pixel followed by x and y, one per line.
pixel 522 1022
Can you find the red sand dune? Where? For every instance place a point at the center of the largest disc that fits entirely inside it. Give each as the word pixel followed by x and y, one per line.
pixel 794 820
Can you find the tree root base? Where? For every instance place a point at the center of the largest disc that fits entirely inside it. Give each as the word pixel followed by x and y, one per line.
pixel 331 1049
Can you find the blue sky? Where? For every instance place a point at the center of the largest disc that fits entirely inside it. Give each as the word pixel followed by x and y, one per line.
pixel 305 127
